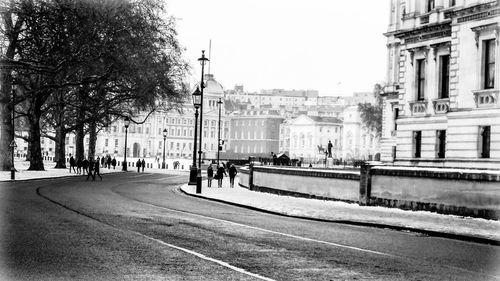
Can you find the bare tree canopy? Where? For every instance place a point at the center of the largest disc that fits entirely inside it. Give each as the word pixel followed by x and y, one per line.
pixel 74 63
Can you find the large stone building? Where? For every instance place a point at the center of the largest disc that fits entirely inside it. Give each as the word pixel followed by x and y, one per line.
pixel 441 101
pixel 308 136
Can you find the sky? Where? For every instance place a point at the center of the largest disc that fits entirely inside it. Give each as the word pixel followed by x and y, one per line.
pixel 335 47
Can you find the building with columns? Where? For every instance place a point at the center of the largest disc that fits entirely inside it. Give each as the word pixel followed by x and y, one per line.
pixel 441 100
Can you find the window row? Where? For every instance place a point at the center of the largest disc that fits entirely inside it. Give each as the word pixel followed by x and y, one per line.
pixel 484 138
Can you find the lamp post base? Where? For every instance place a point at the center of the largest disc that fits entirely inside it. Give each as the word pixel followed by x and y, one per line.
pixel 12 174
pixel 198 182
pixel 192 175
pixel 163 165
pixel 124 164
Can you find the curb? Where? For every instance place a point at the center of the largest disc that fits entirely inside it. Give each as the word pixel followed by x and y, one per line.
pixel 466 238
pixel 50 178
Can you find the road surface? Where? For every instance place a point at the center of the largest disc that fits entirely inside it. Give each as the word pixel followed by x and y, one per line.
pixel 135 226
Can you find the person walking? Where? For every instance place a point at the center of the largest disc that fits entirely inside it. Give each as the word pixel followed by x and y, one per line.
pixel 113 162
pixel 138 164
pixel 143 164
pixel 79 166
pixel 91 168
pixel 210 175
pixel 96 170
pixel 220 175
pixel 102 161
pixel 232 174
pixel 108 162
pixel 72 163
pixel 85 166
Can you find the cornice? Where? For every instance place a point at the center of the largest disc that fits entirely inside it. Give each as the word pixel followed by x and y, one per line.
pixel 424 33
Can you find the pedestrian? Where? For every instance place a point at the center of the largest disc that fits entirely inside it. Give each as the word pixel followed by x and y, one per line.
pixel 210 175
pixel 85 165
pixel 113 162
pixel 220 175
pixel 275 159
pixel 232 174
pixel 102 161
pixel 138 164
pixel 96 169
pixel 72 163
pixel 91 168
pixel 79 166
pixel 143 163
pixel 108 162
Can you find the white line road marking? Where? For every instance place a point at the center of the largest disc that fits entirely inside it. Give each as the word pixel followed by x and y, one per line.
pixel 225 264
pixel 276 232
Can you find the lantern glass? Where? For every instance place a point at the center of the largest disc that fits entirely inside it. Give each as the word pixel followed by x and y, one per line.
pixel 197 98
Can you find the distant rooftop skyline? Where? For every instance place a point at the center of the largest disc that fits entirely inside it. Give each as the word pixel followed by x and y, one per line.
pixel 334 47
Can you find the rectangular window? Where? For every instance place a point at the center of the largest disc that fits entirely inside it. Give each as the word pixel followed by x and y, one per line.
pixel 444 76
pixel 396 116
pixel 430 5
pixel 489 64
pixel 441 143
pixel 417 143
pixel 420 79
pixel 484 141
pixel 105 142
pixel 116 142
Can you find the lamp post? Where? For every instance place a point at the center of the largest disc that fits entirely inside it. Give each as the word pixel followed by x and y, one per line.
pixel 202 61
pixel 164 141
pixel 13 143
pixel 127 123
pixel 219 145
pixel 193 174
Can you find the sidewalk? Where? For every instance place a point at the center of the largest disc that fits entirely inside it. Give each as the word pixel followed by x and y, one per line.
pixel 433 224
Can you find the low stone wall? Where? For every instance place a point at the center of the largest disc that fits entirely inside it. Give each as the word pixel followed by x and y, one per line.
pixel 311 183
pixel 467 192
pixel 449 191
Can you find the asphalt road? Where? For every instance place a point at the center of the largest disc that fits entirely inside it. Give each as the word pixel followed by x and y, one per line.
pixel 141 227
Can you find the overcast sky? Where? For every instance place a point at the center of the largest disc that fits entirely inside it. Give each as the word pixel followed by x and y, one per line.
pixel 335 47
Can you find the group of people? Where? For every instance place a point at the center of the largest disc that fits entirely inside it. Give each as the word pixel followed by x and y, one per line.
pixel 220 172
pixel 140 164
pixel 86 166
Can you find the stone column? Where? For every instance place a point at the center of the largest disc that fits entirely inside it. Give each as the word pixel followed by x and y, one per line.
pixel 364 184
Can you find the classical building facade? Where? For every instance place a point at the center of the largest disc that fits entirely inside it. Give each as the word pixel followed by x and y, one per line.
pixel 308 137
pixel 358 142
pixel 253 133
pixel 441 101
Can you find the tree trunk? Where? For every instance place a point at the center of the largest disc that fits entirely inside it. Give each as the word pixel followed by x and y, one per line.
pixel 6 115
pixel 34 149
pixel 92 139
pixel 80 136
pixel 60 152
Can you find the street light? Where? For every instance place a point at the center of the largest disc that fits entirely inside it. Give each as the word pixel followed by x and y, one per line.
pixel 196 103
pixel 127 123
pixel 202 61
pixel 164 141
pixel 13 143
pixel 219 145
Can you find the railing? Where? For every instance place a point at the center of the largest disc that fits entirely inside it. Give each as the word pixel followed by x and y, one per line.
pixel 418 107
pixel 441 105
pixel 486 98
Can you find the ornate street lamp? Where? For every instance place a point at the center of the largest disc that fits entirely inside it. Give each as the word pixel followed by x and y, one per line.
pixel 196 103
pixel 202 61
pixel 219 144
pixel 164 141
pixel 127 123
pixel 13 144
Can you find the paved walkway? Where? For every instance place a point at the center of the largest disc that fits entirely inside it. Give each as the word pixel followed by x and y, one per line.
pixel 450 226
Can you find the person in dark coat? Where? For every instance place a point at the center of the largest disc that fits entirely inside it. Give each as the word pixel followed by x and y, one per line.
pixel 85 166
pixel 108 162
pixel 232 174
pixel 102 161
pixel 138 164
pixel 220 175
pixel 143 163
pixel 210 175
pixel 79 166
pixel 72 163
pixel 91 169
pixel 113 162
pixel 96 170
pixel 330 145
